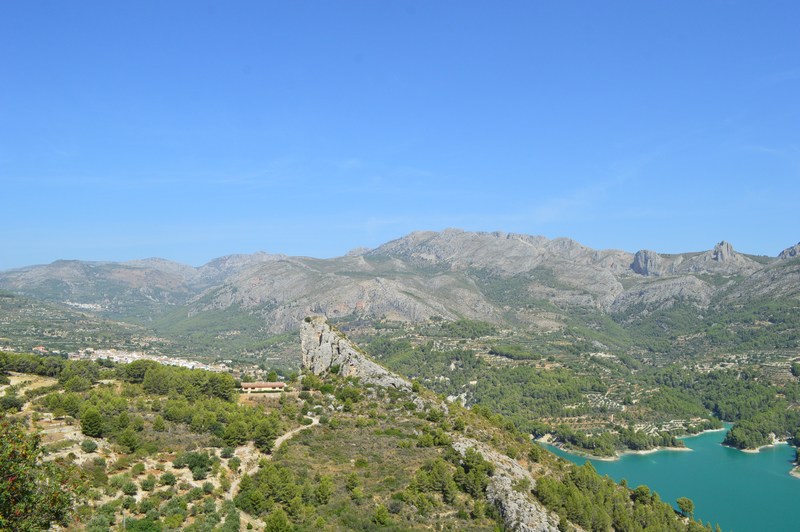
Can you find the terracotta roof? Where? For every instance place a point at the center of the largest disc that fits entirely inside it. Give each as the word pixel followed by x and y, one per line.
pixel 263 385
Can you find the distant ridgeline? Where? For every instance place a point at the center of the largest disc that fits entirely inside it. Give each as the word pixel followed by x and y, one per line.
pixel 643 303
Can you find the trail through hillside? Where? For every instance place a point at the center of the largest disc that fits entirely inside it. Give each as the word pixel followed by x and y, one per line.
pixel 250 457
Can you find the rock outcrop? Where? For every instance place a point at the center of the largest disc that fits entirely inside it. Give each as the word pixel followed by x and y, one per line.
pixel 790 253
pixel 520 511
pixel 723 259
pixel 647 262
pixel 723 251
pixel 324 347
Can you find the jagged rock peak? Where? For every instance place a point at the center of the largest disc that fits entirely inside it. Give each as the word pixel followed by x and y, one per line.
pixel 239 259
pixel 647 262
pixel 324 347
pixel 790 253
pixel 357 252
pixel 723 251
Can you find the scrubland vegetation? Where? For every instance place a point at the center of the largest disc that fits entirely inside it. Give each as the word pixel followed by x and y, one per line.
pixel 160 448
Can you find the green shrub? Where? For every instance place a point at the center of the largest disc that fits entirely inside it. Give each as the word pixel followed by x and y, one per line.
pixel 381 515
pixel 129 488
pixel 148 483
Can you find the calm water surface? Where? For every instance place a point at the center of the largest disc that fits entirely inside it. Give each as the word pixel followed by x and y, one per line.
pixel 743 492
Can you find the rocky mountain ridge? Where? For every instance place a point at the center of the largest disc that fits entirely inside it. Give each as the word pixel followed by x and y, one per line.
pixel 503 278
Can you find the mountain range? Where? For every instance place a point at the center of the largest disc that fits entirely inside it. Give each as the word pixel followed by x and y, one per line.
pixel 510 280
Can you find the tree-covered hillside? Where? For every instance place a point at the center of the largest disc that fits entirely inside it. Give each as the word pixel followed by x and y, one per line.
pixel 593 398
pixel 156 447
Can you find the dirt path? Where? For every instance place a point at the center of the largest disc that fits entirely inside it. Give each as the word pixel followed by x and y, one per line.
pixel 289 435
pixel 250 457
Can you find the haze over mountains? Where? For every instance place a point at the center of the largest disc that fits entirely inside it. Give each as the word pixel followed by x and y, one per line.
pixel 506 279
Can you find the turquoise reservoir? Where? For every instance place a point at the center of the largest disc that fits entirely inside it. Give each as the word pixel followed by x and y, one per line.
pixel 742 492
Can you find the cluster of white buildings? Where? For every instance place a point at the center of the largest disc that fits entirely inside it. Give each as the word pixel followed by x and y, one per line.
pixel 126 357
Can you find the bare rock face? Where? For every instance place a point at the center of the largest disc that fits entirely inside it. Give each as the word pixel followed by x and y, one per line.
pixel 723 251
pixel 720 260
pixel 520 511
pixel 790 253
pixel 323 347
pixel 647 262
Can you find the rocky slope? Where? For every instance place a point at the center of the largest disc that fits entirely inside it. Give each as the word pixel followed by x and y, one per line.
pixel 519 511
pixel 510 279
pixel 791 252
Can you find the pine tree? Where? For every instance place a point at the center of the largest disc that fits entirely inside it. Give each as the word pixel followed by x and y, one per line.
pixel 92 423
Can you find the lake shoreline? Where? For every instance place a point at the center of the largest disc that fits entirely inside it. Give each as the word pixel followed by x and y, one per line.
pixel 758 449
pixel 725 486
pixel 614 458
pixel 547 439
pixel 702 432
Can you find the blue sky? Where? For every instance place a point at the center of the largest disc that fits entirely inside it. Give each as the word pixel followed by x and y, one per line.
pixel 190 130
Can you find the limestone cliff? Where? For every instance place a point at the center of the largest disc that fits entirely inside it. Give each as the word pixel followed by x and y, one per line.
pixel 324 347
pixel 647 262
